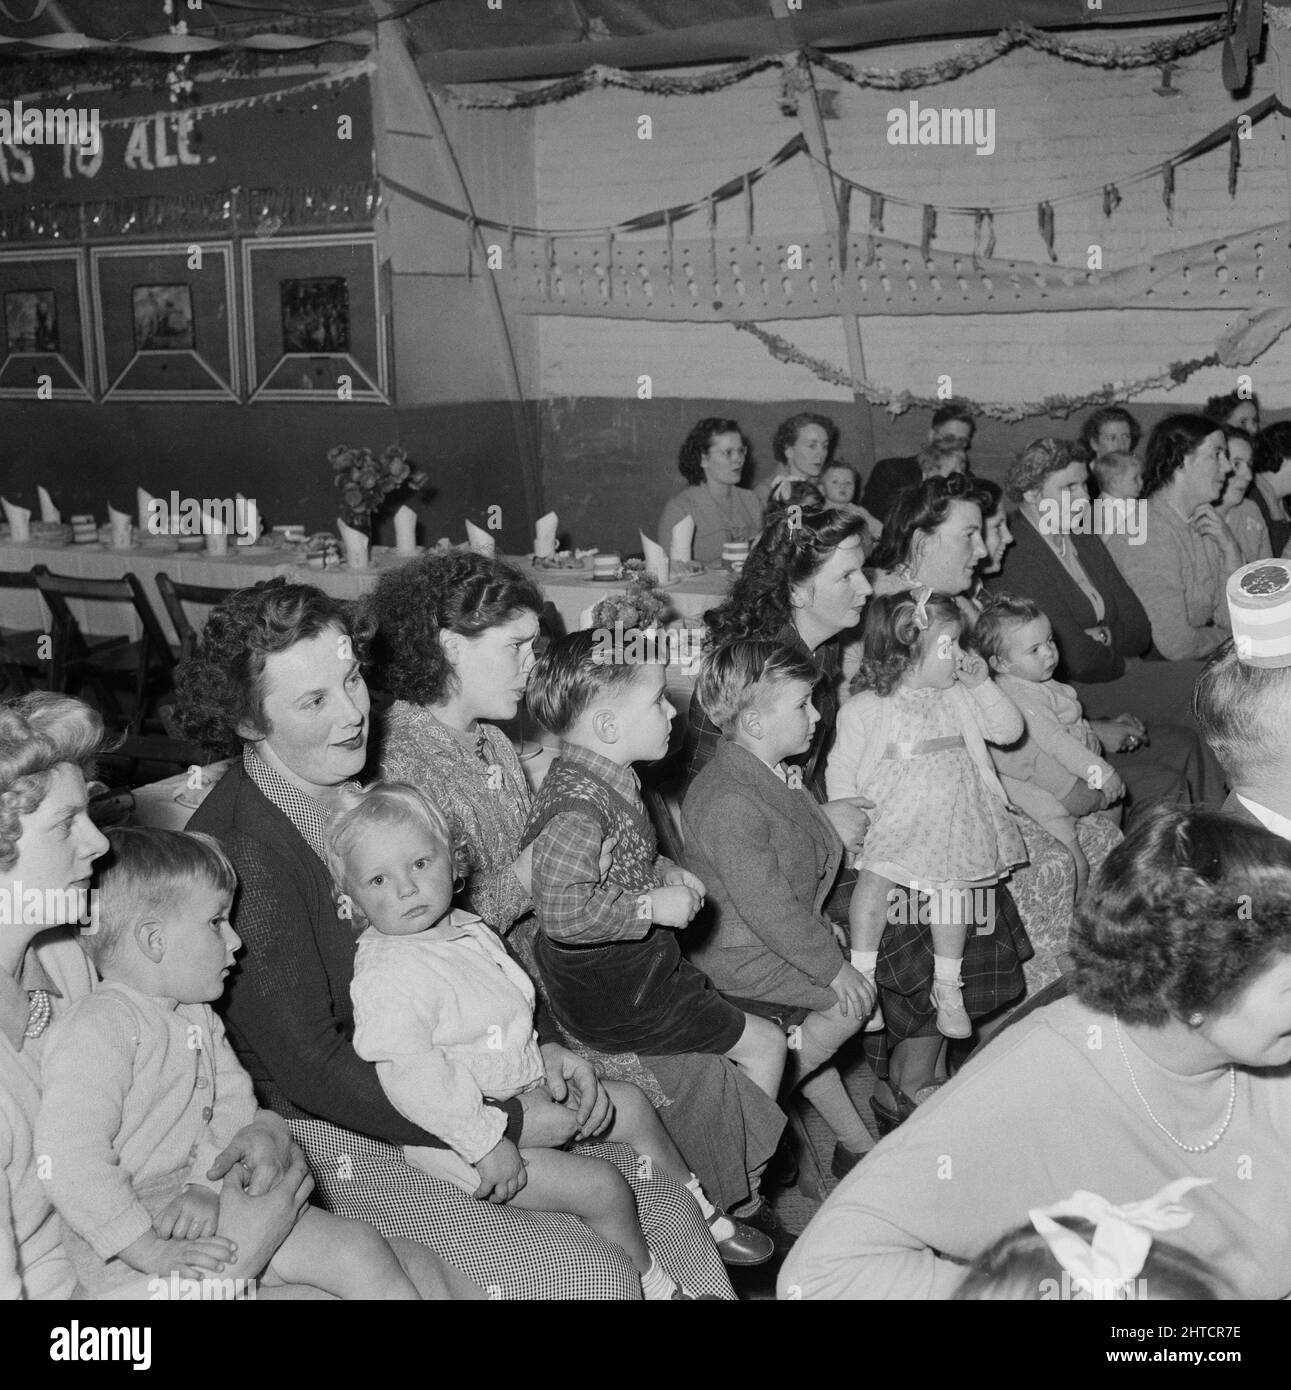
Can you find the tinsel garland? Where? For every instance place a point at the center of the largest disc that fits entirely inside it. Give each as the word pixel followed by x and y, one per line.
pixel 898 402
pixel 259 211
pixel 1151 54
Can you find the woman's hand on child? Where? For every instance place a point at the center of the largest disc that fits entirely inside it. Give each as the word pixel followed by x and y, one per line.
pixel 193 1214
pixel 970 670
pixel 847 816
pixel 674 905
pixel 150 1254
pixel 264 1148
pixel 608 845
pixel 573 1082
pixel 856 995
pixel 502 1173
pixel 1116 736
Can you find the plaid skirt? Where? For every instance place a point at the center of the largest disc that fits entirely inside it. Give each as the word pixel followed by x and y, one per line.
pixel 992 970
pixel 511 1254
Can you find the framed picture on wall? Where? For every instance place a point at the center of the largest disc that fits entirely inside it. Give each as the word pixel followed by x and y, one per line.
pixel 46 313
pixel 315 327
pixel 167 321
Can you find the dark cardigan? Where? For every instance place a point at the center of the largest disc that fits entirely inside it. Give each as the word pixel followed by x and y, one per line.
pixel 287 1006
pixel 1031 570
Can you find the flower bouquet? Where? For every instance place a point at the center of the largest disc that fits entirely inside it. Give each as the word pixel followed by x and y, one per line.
pixel 366 481
pixel 641 605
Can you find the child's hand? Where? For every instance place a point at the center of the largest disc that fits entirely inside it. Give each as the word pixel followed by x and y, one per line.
pixel 856 995
pixel 1113 787
pixel 674 905
pixel 608 845
pixel 194 1214
pixel 150 1254
pixel 683 878
pixel 502 1173
pixel 970 670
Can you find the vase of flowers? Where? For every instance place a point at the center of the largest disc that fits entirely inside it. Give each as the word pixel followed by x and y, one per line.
pixel 368 482
pixel 641 605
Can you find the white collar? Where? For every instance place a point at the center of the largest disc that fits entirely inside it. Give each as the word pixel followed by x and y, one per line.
pixel 1271 820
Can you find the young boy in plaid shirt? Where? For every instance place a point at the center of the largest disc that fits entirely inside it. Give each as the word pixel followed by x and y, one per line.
pixel 607 946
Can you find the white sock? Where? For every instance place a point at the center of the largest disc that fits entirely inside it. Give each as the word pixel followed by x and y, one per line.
pixel 657 1283
pixel 867 962
pixel 945 969
pixel 721 1227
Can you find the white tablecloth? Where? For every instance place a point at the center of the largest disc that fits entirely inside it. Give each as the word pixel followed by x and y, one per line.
pixel 572 593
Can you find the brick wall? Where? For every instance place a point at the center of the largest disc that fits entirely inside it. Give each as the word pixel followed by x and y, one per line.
pixel 1059 128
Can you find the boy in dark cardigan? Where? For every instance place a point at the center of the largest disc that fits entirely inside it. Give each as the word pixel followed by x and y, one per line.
pixel 607 951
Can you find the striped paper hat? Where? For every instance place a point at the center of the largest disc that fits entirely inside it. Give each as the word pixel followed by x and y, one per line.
pixel 1259 602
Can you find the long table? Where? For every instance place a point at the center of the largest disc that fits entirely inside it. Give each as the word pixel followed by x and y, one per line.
pixel 572 593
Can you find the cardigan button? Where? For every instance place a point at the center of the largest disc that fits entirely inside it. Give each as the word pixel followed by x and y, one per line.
pixel 207 1113
pixel 201 1083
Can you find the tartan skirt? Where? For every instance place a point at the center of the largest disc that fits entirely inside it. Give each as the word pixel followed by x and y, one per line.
pixel 511 1254
pixel 992 970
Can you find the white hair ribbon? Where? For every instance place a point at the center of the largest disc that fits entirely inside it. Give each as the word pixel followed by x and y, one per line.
pixel 1122 1235
pixel 921 610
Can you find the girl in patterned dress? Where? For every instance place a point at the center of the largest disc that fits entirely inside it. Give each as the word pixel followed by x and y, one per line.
pixel 913 740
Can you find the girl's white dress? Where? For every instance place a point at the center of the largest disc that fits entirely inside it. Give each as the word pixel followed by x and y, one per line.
pixel 941 819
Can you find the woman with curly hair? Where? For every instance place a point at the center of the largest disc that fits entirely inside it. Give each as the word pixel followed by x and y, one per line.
pixel 279 670
pixel 455 646
pixel 47 847
pixel 1172 1059
pixel 802 447
pixel 1110 430
pixel 712 460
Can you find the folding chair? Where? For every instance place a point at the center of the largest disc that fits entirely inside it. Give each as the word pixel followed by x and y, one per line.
pixel 20 648
pixel 175 595
pixel 144 665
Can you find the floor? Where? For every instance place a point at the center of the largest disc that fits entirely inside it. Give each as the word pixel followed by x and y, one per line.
pixel 792 1206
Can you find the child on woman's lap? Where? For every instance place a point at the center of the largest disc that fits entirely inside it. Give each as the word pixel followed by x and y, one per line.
pixel 1057 775
pixel 609 956
pixel 447 1017
pixel 913 739
pixel 141 1090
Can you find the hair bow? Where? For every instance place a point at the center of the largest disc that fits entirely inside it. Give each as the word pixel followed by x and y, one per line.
pixel 921 610
pixel 1122 1235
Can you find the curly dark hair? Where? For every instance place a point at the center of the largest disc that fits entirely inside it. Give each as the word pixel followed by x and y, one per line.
pixel 787 432
pixel 1109 415
pixel 1272 447
pixel 920 510
pixel 220 689
pixel 1185 913
pixel 459 592
pixel 793 547
pixel 893 640
pixel 698 442
pixel 1169 445
pixel 1221 407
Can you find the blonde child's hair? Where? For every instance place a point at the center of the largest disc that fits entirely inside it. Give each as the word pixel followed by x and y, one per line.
pixel 382 803
pixel 1108 467
pixel 734 673
pixel 148 873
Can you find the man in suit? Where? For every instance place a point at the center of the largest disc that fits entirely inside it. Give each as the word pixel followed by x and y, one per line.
pixel 951 434
pixel 1245 715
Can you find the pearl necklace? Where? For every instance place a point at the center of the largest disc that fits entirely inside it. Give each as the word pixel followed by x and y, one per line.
pixel 1187 1148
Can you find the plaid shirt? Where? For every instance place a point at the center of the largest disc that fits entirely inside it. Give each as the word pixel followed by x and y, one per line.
pixel 575 902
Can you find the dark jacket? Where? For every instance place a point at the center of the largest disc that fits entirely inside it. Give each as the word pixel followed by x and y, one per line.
pixel 888 480
pixel 287 1006
pixel 1031 570
pixel 768 857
